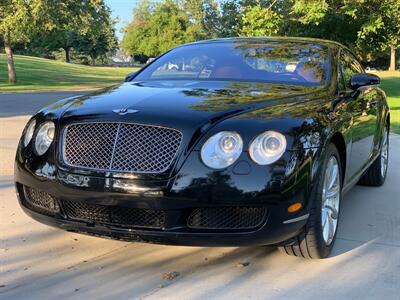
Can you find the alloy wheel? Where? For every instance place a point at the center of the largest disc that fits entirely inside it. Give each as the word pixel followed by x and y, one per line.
pixel 330 200
pixel 384 153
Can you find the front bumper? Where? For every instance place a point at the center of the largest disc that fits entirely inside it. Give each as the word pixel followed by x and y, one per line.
pixel 177 198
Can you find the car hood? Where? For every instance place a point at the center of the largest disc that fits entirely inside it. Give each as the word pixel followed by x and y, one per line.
pixel 192 107
pixel 181 103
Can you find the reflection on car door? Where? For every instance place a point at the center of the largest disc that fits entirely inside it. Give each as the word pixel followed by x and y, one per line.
pixel 363 107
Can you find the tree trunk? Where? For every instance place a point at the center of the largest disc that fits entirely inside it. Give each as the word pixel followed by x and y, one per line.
pixel 93 59
pixel 67 58
pixel 392 66
pixel 12 77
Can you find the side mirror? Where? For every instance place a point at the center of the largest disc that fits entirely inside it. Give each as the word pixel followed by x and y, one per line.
pixel 130 76
pixel 359 80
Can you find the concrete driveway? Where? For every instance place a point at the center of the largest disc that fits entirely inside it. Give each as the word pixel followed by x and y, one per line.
pixel 39 262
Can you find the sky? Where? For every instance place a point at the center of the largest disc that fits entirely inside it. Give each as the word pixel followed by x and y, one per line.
pixel 123 10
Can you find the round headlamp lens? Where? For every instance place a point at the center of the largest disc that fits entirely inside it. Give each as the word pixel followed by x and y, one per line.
pixel 44 137
pixel 267 148
pixel 30 129
pixel 222 149
pixel 271 144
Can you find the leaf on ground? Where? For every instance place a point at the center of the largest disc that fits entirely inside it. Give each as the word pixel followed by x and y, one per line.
pixel 170 275
pixel 242 264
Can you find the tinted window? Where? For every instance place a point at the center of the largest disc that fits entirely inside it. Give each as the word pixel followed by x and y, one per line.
pixel 350 66
pixel 341 81
pixel 287 62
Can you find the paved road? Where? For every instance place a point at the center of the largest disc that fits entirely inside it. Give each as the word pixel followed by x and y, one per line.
pixel 39 262
pixel 17 104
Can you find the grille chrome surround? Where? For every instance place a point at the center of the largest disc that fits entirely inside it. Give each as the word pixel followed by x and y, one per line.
pixel 227 218
pixel 120 147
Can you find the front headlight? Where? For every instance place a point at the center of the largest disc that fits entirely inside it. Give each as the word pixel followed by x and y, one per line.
pixel 44 137
pixel 268 147
pixel 222 149
pixel 30 128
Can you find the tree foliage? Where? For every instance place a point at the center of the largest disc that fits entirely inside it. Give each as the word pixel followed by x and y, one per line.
pixel 49 25
pixel 380 29
pixel 369 27
pixel 260 21
pixel 157 28
pixel 86 26
pixel 310 12
pixel 18 20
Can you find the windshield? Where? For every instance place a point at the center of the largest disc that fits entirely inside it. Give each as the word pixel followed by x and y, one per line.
pixel 302 63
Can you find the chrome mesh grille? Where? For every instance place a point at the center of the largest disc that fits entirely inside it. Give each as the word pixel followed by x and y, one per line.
pixel 230 217
pixel 90 145
pixel 121 147
pixel 122 216
pixel 145 148
pixel 40 201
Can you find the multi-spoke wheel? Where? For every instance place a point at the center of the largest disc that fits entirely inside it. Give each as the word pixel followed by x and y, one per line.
pixel 317 237
pixel 330 200
pixel 376 173
pixel 385 153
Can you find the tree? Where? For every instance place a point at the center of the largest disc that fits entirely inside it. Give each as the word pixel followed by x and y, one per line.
pixel 310 12
pixel 369 26
pixel 366 26
pixel 222 21
pixel 323 19
pixel 55 24
pixel 137 29
pixel 381 25
pixel 158 28
pixel 230 20
pixel 86 25
pixel 16 18
pixel 204 14
pixel 261 21
pixel 100 38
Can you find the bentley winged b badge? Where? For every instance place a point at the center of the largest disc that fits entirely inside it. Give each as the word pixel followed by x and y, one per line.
pixel 124 111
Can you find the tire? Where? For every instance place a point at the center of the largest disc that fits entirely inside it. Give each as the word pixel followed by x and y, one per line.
pixel 376 173
pixel 310 242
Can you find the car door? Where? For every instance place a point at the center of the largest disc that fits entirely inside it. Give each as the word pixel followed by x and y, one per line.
pixel 362 104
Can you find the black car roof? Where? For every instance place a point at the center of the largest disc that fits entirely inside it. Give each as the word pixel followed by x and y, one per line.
pixel 327 43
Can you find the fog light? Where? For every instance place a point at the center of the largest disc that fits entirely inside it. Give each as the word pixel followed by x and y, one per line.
pixel 294 207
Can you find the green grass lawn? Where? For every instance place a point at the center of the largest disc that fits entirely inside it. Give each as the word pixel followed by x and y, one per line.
pixel 38 74
pixel 391 85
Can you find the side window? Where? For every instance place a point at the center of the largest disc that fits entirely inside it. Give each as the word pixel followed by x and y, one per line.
pixel 341 81
pixel 350 66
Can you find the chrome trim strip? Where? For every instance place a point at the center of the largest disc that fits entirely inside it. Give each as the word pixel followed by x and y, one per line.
pixel 301 218
pixel 114 146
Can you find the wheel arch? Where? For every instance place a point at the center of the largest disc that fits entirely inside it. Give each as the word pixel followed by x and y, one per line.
pixel 338 140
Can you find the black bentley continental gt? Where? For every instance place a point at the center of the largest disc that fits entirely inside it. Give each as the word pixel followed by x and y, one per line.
pixel 228 142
